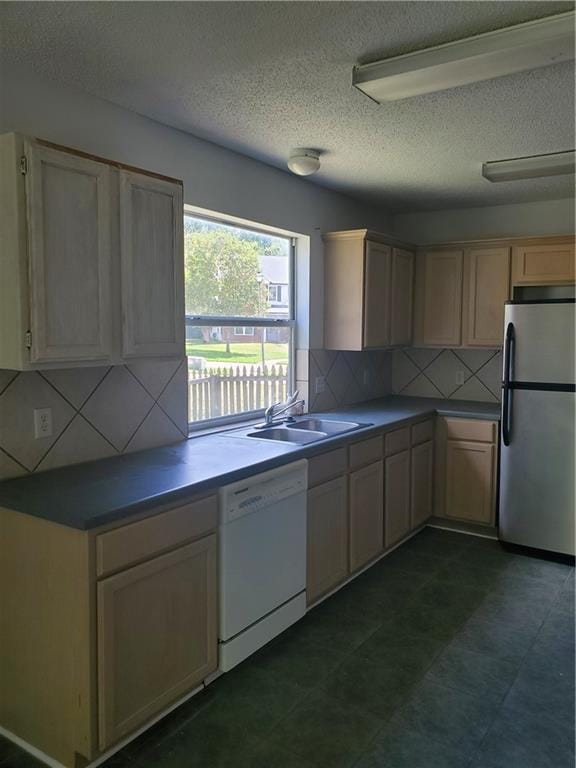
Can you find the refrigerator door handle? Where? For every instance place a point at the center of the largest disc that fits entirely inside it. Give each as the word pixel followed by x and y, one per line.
pixel 506 389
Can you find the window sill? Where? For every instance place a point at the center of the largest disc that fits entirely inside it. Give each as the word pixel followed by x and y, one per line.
pixel 214 430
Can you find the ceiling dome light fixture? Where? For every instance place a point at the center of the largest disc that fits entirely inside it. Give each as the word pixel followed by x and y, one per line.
pixel 304 162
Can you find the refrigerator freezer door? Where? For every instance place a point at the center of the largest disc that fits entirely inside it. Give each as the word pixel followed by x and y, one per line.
pixel 537 472
pixel 543 342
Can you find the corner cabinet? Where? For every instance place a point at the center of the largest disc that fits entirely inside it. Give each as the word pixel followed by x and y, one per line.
pixel 75 228
pixel 439 298
pixel 367 291
pixel 466 470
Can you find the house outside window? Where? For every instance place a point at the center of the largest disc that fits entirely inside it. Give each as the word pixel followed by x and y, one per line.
pixel 239 319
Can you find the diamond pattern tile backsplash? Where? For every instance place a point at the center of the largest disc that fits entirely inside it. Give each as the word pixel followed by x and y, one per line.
pixel 435 373
pixel 349 377
pixel 96 413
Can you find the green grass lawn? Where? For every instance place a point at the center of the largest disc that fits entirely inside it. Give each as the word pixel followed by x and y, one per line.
pixel 239 353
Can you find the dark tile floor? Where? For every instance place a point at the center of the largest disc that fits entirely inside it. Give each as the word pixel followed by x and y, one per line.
pixel 448 653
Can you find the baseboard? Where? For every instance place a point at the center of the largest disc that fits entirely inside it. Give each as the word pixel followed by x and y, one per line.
pixel 482 531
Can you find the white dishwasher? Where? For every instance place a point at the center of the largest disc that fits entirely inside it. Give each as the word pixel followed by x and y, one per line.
pixel 262 559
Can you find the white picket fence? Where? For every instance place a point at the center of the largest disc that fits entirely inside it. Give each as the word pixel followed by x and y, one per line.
pixel 223 391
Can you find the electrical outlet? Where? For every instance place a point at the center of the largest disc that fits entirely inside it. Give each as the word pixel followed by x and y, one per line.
pixel 366 377
pixel 460 377
pixel 42 422
pixel 319 385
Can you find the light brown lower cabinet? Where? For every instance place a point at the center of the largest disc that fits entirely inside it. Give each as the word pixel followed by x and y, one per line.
pixel 156 636
pixel 366 515
pixel 103 629
pixel 421 481
pixel 327 553
pixel 470 481
pixel 397 497
pixel 466 469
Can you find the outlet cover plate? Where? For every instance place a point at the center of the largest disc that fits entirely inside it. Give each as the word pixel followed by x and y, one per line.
pixel 42 423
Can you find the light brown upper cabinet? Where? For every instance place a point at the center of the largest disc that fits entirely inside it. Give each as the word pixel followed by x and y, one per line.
pixel 486 290
pixel 151 223
pixel 546 263
pixel 401 297
pixel 367 291
pixel 460 296
pixel 439 297
pixel 78 231
pixel 55 275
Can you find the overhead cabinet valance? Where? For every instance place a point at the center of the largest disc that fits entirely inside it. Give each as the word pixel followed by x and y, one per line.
pixel 91 268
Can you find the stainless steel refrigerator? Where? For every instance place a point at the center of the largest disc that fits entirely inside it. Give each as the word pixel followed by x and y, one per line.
pixel 537 443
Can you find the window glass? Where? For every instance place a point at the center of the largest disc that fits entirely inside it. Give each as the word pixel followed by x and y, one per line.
pixel 233 273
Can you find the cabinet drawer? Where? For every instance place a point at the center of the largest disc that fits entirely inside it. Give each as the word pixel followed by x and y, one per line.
pixel 472 429
pixel 326 466
pixel 144 539
pixel 396 441
pixel 422 432
pixel 365 452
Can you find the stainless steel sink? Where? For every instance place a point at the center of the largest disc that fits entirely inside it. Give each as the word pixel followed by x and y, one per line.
pixel 299 431
pixel 328 426
pixel 288 435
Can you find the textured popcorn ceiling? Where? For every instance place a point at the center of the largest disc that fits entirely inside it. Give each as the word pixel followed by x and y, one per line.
pixel 264 77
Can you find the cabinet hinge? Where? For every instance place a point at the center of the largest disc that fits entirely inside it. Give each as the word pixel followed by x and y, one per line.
pixel 23 165
pixel 28 340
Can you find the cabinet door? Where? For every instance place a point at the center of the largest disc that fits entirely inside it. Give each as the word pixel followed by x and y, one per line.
pixel 151 245
pixel 68 200
pixel 421 482
pixel 397 497
pixel 442 298
pixel 470 481
pixel 546 264
pixel 377 295
pixel 327 537
pixel 401 297
pixel 487 281
pixel 156 636
pixel 366 515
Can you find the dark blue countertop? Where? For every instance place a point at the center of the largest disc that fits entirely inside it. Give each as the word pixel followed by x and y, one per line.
pixel 89 495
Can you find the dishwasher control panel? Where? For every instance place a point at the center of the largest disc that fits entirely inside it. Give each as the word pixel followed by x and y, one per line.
pixel 259 491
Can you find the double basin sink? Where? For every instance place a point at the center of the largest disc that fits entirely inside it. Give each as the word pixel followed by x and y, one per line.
pixel 299 431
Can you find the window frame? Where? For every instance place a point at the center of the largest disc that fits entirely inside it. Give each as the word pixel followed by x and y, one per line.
pixel 254 322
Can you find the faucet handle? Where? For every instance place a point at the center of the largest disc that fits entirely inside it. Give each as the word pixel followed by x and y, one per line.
pixel 293 397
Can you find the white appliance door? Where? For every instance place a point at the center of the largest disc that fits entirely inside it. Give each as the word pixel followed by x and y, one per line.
pixel 537 472
pixel 262 563
pixel 543 347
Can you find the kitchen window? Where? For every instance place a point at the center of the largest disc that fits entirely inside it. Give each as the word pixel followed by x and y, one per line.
pixel 239 319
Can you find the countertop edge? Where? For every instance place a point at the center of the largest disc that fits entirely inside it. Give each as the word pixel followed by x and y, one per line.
pixel 401 411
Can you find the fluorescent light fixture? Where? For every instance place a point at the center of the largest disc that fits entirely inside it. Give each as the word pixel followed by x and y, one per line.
pixel 483 57
pixel 555 164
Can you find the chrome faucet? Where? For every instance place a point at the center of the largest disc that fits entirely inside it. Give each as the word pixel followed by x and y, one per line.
pixel 277 409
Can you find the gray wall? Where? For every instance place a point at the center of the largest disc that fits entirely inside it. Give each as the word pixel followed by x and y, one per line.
pixel 552 217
